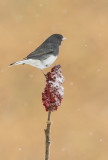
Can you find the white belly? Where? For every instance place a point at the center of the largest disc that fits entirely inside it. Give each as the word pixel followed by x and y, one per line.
pixel 47 62
pixel 41 65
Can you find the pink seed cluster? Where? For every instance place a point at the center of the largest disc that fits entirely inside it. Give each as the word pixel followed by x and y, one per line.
pixel 53 92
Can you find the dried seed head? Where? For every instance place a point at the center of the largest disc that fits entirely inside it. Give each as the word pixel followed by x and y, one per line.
pixel 53 92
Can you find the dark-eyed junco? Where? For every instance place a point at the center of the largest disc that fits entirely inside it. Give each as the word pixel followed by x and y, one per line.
pixel 45 54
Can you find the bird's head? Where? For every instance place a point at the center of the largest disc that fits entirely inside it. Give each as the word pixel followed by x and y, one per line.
pixel 56 38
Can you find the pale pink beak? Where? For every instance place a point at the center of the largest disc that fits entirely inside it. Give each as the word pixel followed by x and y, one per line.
pixel 64 38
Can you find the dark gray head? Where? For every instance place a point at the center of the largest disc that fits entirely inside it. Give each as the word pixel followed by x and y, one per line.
pixel 55 38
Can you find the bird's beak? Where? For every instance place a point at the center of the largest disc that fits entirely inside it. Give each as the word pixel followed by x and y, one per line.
pixel 64 38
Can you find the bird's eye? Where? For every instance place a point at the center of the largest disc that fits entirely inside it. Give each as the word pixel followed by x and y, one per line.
pixel 58 37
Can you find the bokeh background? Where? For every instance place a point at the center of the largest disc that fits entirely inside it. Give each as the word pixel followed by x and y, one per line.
pixel 80 126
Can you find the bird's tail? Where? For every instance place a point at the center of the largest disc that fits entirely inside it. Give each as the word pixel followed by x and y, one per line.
pixel 17 63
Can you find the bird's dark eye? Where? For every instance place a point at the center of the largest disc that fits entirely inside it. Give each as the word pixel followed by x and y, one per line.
pixel 59 37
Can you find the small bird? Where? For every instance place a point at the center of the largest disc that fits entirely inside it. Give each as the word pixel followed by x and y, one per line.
pixel 45 54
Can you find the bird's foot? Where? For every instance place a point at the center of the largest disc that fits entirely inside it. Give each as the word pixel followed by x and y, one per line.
pixel 44 74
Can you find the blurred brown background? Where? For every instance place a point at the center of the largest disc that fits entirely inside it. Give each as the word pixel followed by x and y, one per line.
pixel 80 126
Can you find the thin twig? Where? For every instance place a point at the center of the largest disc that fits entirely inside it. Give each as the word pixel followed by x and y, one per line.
pixel 47 137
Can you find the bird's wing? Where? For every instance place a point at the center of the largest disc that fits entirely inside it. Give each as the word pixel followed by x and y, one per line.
pixel 40 51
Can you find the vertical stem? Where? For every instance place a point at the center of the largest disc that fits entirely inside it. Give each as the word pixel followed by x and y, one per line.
pixel 47 137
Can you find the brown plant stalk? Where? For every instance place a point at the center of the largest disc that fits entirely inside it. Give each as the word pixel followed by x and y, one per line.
pixel 47 136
